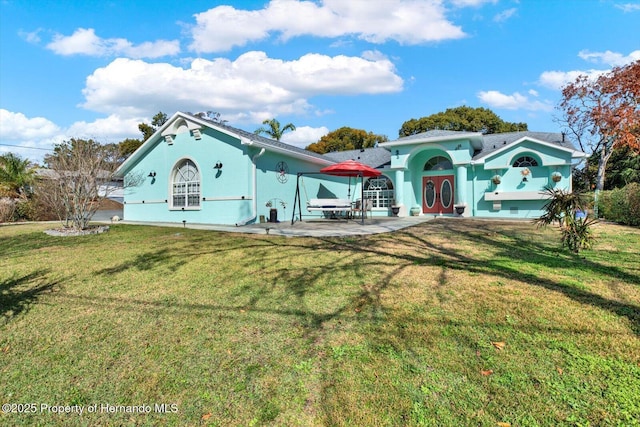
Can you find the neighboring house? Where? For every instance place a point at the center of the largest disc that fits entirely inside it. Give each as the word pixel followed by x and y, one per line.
pixel 201 171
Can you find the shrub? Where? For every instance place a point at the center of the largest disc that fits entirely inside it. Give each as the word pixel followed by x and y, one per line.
pixel 26 210
pixel 567 209
pixel 7 209
pixel 621 205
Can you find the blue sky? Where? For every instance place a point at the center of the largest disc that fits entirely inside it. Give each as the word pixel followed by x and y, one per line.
pixel 98 68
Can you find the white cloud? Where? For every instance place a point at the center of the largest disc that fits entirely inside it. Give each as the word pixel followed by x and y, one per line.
pixel 84 41
pixel 31 37
pixel 17 126
pixel 515 101
pixel 109 129
pixel 612 59
pixel 557 79
pixel 405 21
pixel 629 7
pixel 30 138
pixel 304 135
pixel 252 83
pixel 505 15
pixel 33 137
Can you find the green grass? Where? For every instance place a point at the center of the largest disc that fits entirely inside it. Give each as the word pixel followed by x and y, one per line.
pixel 392 329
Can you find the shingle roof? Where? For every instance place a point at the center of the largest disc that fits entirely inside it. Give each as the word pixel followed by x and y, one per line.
pixel 496 141
pixel 436 133
pixel 375 157
pixel 261 139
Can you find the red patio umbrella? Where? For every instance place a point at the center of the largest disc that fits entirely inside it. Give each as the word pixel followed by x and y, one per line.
pixel 350 168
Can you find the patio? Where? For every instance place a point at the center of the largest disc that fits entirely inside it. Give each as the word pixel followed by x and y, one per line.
pixel 308 228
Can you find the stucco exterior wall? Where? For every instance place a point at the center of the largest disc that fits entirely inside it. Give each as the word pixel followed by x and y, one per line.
pixel 250 176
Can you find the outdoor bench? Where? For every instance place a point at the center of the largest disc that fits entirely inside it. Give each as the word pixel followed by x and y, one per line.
pixel 329 205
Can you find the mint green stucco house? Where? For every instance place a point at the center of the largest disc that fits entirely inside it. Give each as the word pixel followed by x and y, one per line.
pixel 200 171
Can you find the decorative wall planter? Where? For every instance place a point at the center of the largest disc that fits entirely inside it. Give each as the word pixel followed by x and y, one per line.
pixel 556 176
pixel 496 179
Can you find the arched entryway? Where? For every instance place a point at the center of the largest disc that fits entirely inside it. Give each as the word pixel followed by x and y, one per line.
pixel 438 186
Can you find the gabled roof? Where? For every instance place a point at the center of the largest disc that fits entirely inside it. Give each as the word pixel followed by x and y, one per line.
pixel 437 136
pixel 376 157
pixel 245 137
pixel 486 145
pixel 498 142
pixel 261 141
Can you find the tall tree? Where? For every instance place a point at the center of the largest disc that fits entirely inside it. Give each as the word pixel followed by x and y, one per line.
pixel 274 130
pixel 461 119
pixel 604 113
pixel 346 138
pixel 80 177
pixel 149 129
pixel 16 175
pixel 622 169
pixel 213 116
pixel 127 146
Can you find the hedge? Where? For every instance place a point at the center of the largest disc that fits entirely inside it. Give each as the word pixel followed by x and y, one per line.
pixel 621 205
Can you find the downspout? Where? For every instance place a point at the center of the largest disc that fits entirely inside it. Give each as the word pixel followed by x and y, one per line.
pixel 255 190
pixel 473 190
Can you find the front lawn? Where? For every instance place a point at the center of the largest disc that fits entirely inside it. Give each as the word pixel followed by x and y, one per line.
pixel 453 322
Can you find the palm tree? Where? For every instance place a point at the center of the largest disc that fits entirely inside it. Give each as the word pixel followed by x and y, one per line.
pixel 274 130
pixel 569 210
pixel 16 175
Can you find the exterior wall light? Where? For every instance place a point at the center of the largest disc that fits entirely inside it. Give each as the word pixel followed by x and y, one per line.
pixel 218 165
pixel 152 174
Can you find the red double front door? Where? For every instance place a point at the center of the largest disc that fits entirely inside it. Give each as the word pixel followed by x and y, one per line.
pixel 437 194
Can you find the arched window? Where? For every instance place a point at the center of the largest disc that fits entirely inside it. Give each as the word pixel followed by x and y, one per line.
pixel 185 188
pixel 525 162
pixel 438 163
pixel 380 191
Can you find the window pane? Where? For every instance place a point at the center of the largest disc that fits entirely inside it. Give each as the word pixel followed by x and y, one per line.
pixel 429 194
pixel 178 201
pixel 446 193
pixel 379 191
pixel 186 185
pixel 525 162
pixel 438 163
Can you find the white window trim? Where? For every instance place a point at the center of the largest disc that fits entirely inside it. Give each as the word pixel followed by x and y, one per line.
pixel 172 181
pixel 378 202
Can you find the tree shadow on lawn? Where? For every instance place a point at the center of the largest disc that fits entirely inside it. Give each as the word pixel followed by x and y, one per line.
pixel 172 258
pixel 284 290
pixel 417 249
pixel 27 242
pixel 395 252
pixel 17 294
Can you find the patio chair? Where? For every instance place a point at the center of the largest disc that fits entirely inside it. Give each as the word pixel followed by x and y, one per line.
pixel 358 209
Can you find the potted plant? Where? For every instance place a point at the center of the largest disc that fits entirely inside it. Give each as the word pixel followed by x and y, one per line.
pixel 273 212
pixel 496 179
pixel 415 210
pixel 556 176
pixel 394 208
